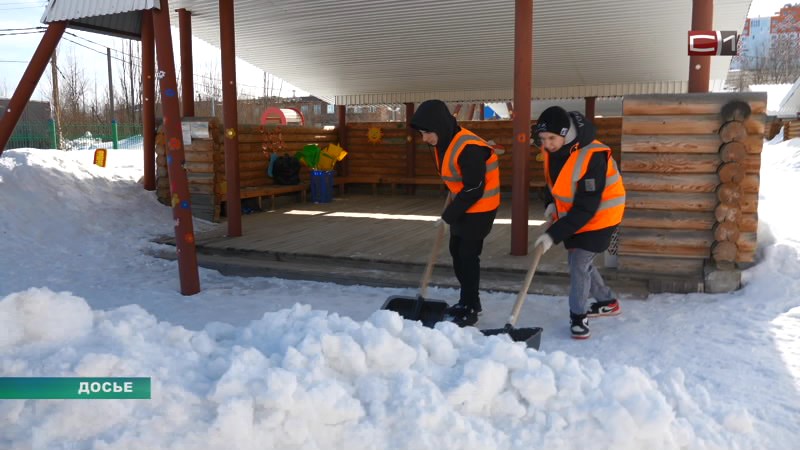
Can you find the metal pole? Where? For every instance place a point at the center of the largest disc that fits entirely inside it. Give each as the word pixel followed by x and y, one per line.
pixel 179 185
pixel 187 69
pixel 523 61
pixel 230 116
pixel 114 134
pixel 27 84
pixel 700 66
pixel 148 101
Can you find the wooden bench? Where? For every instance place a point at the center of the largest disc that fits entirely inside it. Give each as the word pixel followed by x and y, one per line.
pixel 374 180
pixel 272 191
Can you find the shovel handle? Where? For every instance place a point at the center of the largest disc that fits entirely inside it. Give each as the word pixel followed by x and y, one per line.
pixel 523 293
pixel 437 246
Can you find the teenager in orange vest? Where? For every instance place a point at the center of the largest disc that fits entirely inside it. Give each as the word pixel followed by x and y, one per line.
pixel 469 168
pixel 585 202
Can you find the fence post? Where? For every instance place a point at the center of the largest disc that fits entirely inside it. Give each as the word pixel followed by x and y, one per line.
pixel 53 135
pixel 114 134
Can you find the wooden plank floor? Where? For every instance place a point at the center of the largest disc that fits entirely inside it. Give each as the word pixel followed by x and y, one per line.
pixel 381 240
pixel 368 228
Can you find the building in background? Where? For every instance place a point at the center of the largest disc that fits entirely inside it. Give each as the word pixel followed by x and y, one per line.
pixel 32 129
pixel 769 49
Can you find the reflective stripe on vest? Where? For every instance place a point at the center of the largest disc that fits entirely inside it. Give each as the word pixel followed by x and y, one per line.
pixel 612 205
pixel 451 173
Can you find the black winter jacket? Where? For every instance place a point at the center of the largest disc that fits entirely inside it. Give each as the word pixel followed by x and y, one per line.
pixel 434 116
pixel 586 202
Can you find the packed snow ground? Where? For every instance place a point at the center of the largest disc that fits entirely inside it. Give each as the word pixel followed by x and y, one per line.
pixel 268 363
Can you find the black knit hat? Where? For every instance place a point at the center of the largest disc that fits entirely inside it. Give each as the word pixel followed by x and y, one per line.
pixel 554 120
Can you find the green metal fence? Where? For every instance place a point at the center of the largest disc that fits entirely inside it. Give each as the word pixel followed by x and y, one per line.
pixel 76 136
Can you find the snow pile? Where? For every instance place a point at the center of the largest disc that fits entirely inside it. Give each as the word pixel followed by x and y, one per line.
pixel 301 378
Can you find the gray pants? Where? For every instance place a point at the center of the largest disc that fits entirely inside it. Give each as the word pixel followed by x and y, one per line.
pixel 585 281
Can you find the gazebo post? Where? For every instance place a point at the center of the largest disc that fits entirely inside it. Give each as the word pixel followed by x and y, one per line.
pixel 187 62
pixel 523 61
pixel 179 185
pixel 148 101
pixel 411 148
pixel 589 109
pixel 227 46
pixel 700 66
pixel 341 116
pixel 27 84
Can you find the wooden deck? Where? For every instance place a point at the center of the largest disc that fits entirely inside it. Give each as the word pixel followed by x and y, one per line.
pixel 379 240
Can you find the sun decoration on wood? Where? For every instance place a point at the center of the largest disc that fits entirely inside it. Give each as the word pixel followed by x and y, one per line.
pixel 374 135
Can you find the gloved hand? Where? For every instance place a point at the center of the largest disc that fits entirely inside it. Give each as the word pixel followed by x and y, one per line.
pixel 549 212
pixel 545 241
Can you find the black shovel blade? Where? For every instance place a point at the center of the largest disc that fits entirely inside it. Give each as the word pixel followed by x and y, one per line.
pixel 532 337
pixel 429 312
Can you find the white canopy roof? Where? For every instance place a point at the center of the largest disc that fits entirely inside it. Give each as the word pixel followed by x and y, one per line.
pixel 389 51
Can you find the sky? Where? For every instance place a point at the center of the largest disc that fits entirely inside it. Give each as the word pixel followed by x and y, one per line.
pixel 280 364
pixel 16 50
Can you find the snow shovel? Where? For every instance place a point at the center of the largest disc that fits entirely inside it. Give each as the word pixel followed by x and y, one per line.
pixel 427 311
pixel 531 336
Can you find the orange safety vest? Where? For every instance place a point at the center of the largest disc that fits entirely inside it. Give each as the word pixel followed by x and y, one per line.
pixel 451 172
pixel 612 203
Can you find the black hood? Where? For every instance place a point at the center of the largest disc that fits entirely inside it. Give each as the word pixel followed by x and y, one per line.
pixel 585 129
pixel 585 133
pixel 435 116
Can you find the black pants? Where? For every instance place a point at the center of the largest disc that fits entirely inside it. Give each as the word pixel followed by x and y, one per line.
pixel 467 267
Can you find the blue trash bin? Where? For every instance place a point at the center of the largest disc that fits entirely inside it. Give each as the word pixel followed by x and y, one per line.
pixel 321 186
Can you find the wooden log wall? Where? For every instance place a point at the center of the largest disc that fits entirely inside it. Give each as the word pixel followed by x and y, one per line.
pixel 202 155
pixel 791 129
pixel 388 157
pixel 692 182
pixel 256 142
pixel 205 162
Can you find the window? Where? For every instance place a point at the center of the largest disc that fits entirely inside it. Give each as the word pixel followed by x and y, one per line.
pixel 317 109
pixel 331 109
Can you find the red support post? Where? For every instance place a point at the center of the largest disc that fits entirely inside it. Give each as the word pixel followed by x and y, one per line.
pixel 341 115
pixel 178 182
pixel 27 84
pixel 187 69
pixel 482 112
pixel 700 66
pixel 472 112
pixel 523 61
pixel 149 101
pixel 230 117
pixel 590 107
pixel 411 147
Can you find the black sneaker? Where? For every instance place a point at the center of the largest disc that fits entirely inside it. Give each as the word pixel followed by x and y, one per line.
pixel 458 307
pixel 606 308
pixel 462 315
pixel 579 326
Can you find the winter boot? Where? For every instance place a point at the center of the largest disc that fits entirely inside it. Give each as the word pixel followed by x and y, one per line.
pixel 606 308
pixel 462 315
pixel 579 326
pixel 458 307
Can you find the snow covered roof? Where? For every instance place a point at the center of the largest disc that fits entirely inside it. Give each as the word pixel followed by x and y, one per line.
pixel 114 17
pixel 790 105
